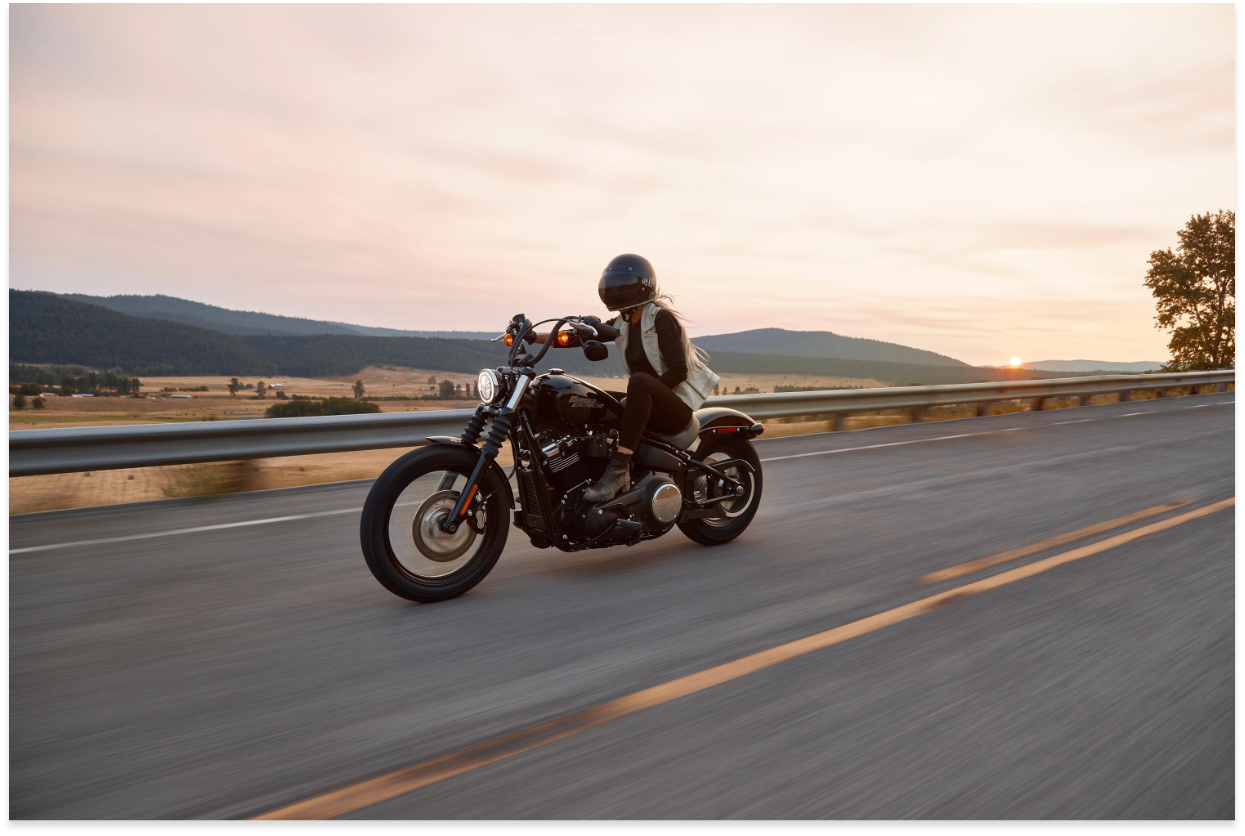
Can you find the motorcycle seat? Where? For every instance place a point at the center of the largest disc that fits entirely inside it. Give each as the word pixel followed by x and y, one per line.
pixel 683 438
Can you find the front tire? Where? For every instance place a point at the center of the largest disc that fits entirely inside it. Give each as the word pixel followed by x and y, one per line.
pixel 736 514
pixel 402 543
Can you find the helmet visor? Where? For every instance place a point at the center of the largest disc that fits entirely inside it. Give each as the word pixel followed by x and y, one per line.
pixel 624 289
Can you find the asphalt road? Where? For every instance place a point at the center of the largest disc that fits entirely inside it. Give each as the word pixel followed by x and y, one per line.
pixel 254 663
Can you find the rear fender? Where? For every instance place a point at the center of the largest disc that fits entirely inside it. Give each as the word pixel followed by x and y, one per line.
pixel 722 420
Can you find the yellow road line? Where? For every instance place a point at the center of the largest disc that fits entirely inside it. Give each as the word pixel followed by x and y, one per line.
pixel 1058 540
pixel 364 794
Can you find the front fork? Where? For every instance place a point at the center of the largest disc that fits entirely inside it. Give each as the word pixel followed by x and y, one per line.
pixel 503 420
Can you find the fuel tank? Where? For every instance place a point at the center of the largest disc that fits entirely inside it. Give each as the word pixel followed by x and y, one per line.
pixel 561 397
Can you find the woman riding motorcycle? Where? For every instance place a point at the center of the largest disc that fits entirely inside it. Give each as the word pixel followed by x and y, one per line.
pixel 668 378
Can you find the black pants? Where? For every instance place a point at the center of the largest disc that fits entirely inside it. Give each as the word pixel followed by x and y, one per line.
pixel 651 405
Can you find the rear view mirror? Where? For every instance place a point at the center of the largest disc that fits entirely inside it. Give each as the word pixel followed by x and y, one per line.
pixel 594 350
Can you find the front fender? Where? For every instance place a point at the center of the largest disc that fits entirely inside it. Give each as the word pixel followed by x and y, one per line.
pixel 451 441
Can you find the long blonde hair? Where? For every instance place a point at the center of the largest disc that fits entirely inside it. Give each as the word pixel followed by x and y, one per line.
pixel 666 302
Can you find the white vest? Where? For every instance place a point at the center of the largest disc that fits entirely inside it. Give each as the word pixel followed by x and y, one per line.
pixel 700 378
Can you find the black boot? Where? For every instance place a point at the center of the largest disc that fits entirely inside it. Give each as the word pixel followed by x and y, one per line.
pixel 617 478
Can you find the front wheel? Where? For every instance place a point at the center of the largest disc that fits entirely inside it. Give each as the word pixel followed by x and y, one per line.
pixel 400 531
pixel 734 515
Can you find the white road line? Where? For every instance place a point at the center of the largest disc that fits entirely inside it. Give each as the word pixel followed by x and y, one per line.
pixel 888 444
pixel 294 517
pixel 175 531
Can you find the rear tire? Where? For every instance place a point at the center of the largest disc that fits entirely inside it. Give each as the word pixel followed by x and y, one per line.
pixel 433 570
pixel 739 513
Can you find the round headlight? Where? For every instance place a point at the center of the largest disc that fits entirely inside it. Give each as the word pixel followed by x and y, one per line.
pixel 486 385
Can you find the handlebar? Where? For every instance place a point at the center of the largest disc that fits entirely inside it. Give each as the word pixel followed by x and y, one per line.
pixel 590 325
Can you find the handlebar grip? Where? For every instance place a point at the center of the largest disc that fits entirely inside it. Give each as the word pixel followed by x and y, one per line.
pixel 607 332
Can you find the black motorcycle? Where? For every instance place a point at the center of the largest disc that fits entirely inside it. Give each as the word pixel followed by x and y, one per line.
pixel 436 520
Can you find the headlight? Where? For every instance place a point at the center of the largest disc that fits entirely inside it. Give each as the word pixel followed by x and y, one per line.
pixel 487 386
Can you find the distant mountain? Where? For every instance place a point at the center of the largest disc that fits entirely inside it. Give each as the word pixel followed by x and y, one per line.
pixel 248 323
pixel 1091 366
pixel 821 344
pixel 46 328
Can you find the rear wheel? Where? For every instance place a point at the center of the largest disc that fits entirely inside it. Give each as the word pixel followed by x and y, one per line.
pixel 400 531
pixel 735 514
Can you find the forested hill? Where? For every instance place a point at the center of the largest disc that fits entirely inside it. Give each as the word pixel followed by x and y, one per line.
pixel 46 328
pixel 821 344
pixel 246 323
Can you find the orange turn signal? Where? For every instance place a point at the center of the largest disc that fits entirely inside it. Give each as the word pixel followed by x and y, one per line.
pixel 564 338
pixel 509 340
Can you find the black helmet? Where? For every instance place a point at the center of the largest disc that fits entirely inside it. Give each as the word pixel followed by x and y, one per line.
pixel 627 281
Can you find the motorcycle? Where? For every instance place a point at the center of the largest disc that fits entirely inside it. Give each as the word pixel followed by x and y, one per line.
pixel 436 521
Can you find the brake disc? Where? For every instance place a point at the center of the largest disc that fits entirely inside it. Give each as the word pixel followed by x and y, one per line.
pixel 432 542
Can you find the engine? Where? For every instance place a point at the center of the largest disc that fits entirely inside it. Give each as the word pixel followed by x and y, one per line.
pixel 575 460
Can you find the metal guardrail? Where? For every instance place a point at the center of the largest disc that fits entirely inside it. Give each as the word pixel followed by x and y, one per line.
pixel 72 450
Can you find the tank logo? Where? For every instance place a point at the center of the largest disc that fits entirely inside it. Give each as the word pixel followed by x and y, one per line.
pixel 580 402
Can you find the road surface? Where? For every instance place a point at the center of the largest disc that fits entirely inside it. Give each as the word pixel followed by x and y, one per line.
pixel 234 657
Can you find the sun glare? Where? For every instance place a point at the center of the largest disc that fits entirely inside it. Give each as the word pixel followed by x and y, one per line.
pixel 1014 362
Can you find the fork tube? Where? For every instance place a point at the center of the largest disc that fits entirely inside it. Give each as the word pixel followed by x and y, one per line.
pixel 497 434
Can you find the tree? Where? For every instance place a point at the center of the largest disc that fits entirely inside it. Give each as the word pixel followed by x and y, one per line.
pixel 19 401
pixel 358 390
pixel 261 389
pixel 280 394
pixel 447 389
pixel 234 386
pixel 1195 292
pixel 432 378
pixel 38 403
pixel 135 386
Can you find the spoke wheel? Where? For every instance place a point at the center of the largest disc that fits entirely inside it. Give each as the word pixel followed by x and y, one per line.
pixel 733 515
pixel 403 542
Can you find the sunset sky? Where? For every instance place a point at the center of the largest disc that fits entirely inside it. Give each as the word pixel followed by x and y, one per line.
pixel 979 181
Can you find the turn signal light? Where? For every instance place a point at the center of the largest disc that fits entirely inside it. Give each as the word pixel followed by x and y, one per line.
pixel 564 338
pixel 509 340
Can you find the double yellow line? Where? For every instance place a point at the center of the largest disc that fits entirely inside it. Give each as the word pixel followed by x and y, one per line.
pixel 393 784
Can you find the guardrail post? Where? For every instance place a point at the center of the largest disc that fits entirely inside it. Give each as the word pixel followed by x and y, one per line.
pixel 1039 404
pixel 918 413
pixel 1083 400
pixel 983 409
pixel 1124 396
pixel 836 422
pixel 1160 393
pixel 1221 387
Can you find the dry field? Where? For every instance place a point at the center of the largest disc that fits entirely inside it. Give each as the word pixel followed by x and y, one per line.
pixel 107 487
pixel 216 404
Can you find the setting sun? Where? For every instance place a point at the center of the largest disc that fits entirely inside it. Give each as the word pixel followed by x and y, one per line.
pixel 1014 362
